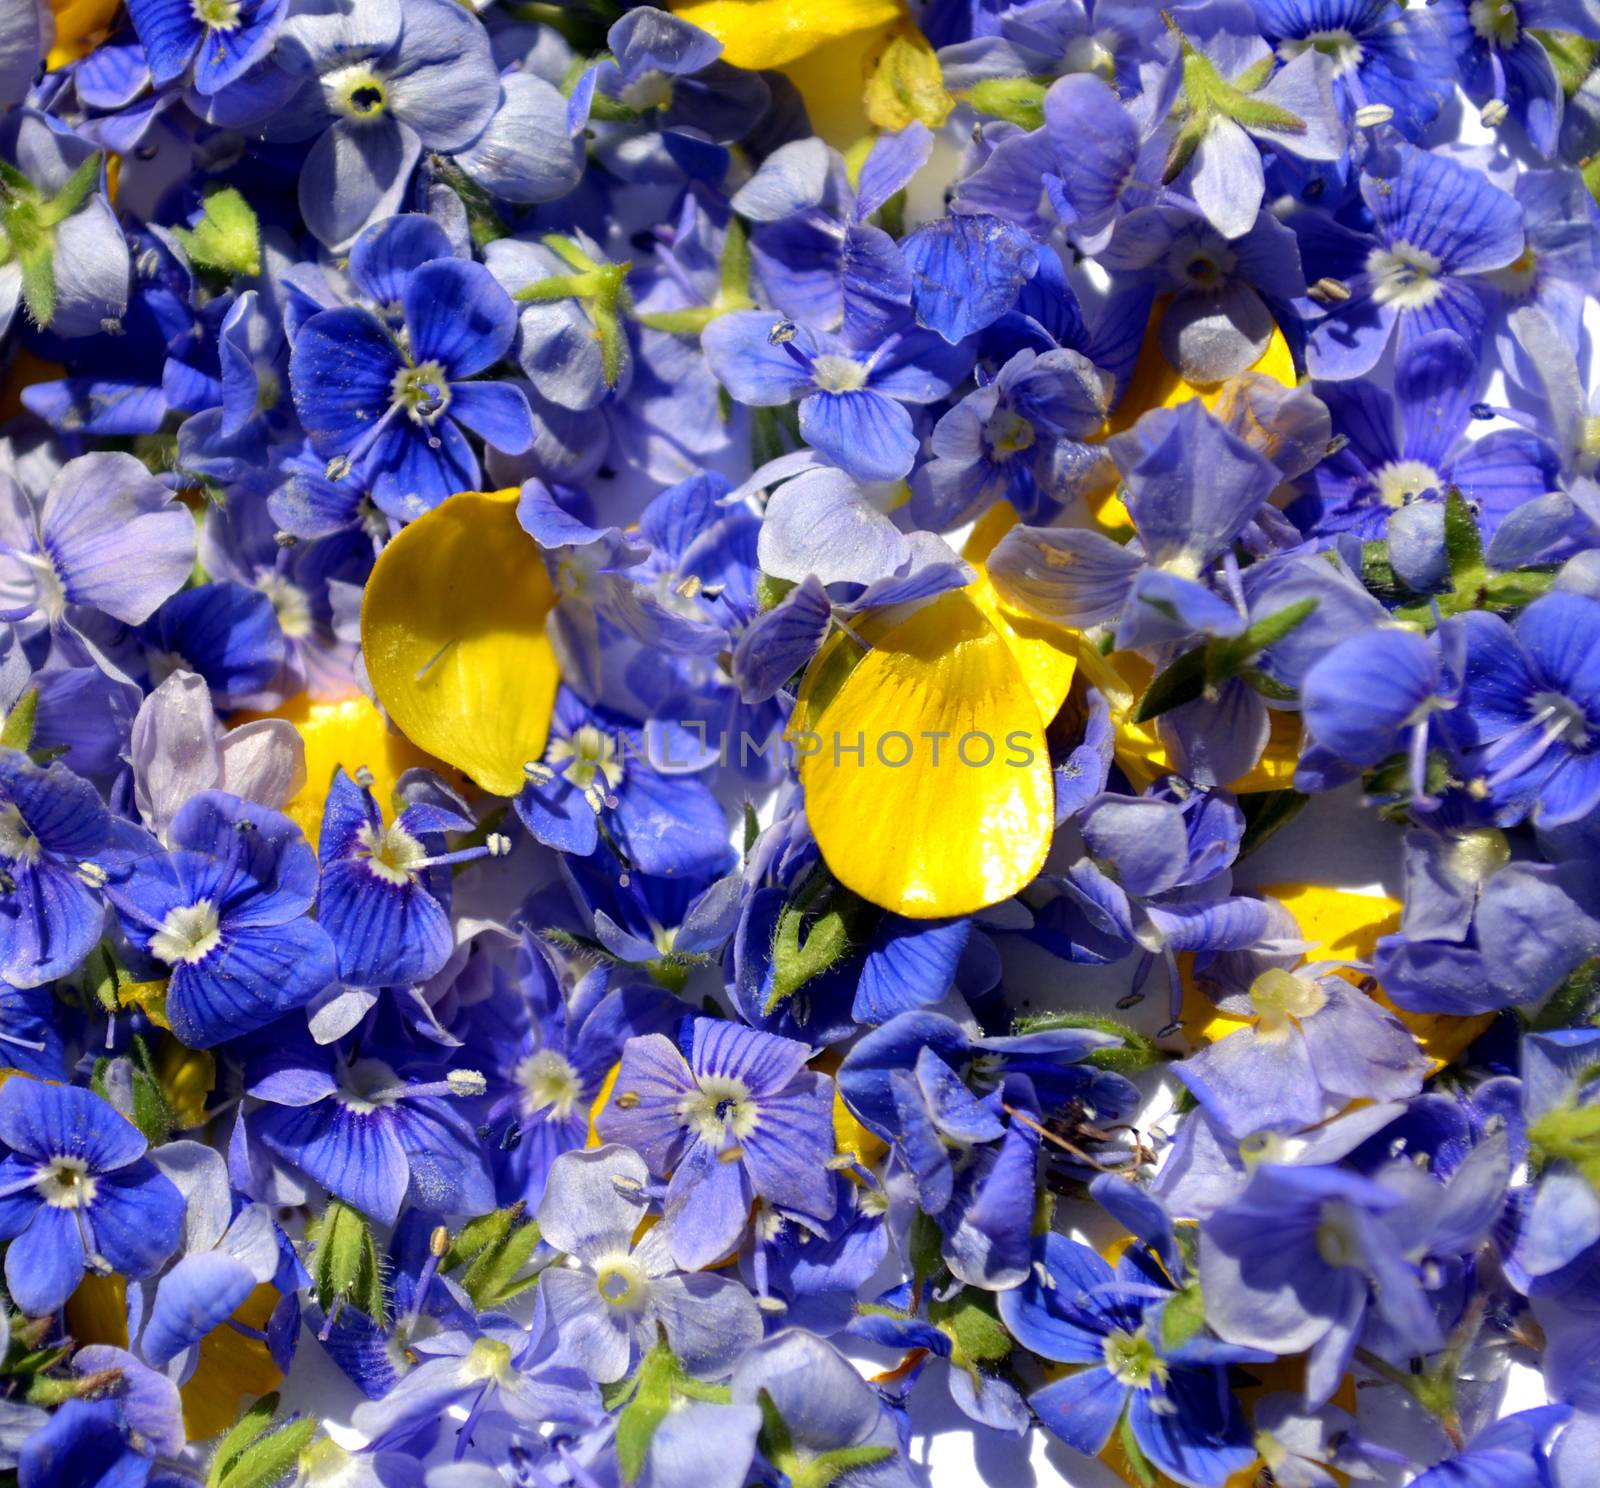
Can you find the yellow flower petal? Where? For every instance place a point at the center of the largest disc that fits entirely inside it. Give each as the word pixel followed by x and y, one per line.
pixel 97 1311
pixel 767 33
pixel 938 839
pixel 187 1076
pixel 81 25
pixel 452 628
pixel 232 1368
pixel 354 734
pixel 1047 654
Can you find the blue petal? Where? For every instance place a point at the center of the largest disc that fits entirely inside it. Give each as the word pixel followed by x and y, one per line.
pixel 864 433
pixel 1083 1409
pixel 170 33
pixel 497 412
pixel 458 316
pixel 387 254
pixel 909 964
pixel 671 825
pixel 200 1293
pixel 385 933
pixel 342 370
pixel 966 272
pixel 253 978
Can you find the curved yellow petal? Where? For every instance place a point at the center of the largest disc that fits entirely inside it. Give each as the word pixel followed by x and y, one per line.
pixel 97 1310
pixel 233 1367
pixel 1047 654
pixel 768 33
pixel 907 823
pixel 187 1076
pixel 81 25
pixel 452 628
pixel 354 734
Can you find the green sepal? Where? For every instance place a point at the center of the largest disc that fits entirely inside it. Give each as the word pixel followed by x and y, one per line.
pixel 647 1398
pixel 227 238
pixel 1017 100
pixel 17 732
pixel 494 1248
pixel 1133 1054
pixel 969 1321
pixel 1182 1316
pixel 345 1268
pixel 821 924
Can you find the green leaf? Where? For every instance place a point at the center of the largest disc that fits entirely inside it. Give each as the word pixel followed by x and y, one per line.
pixel 646 1410
pixel 345 1268
pixel 484 222
pixel 1018 100
pixel 17 732
pixel 1182 1317
pixel 968 1320
pixel 271 1460
pixel 819 926
pixel 1463 544
pixel 246 1431
pixel 1572 56
pixel 1574 1002
pixel 494 1249
pixel 1135 1052
pixel 1511 591
pixel 81 184
pixel 1182 682
pixel 1270 629
pixel 1264 813
pixel 227 239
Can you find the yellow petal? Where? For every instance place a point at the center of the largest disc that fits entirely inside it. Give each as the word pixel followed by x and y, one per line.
pixel 232 1368
pixel 187 1076
pixel 768 33
pixel 1047 654
pixel 452 628
pixel 80 26
pixel 97 1310
pixel 354 734
pixel 941 838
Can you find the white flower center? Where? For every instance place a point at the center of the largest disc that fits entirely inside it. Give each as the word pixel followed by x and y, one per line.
pixel 621 1283
pixel 368 1085
pixel 17 842
pixel 189 934
pixel 423 391
pixel 290 603
pixel 588 753
pixel 719 1109
pixel 356 93
pixel 1277 996
pixel 1337 44
pixel 1337 1240
pixel 219 15
pixel 1133 1360
pixel 1495 21
pixel 549 1083
pixel 652 91
pixel 1405 276
pixel 392 852
pixel 66 1183
pixel 1400 480
pixel 838 374
pixel 1568 722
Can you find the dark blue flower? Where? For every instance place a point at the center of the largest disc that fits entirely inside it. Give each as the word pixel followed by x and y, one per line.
pixel 225 910
pixel 389 394
pixel 76 1189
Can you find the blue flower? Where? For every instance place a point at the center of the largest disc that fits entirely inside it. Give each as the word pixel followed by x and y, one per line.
pixel 221 39
pixel 384 892
pixel 1075 1309
pixel 852 394
pixel 1383 56
pixel 78 1191
pixel 602 772
pixel 554 1051
pixel 225 910
pixel 388 395
pixel 1527 728
pixel 741 1117
pixel 52 829
pixel 370 1134
pixel 608 1309
pixel 374 85
pixel 1438 229
pixel 225 632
